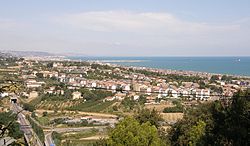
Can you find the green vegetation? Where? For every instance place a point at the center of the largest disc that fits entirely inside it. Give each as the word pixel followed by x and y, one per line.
pixel 37 129
pixel 151 116
pixel 94 101
pixel 56 138
pixel 216 89
pixel 130 132
pixel 9 126
pixel 8 60
pixel 214 78
pixel 176 109
pixel 129 103
pixel 75 63
pixel 170 77
pixel 101 67
pixel 94 95
pixel 28 107
pixel 73 138
pixel 91 106
pixel 228 78
pixel 43 120
pixel 100 75
pixel 138 130
pixel 218 123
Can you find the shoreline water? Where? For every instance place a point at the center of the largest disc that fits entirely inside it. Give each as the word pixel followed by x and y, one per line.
pixel 133 62
pixel 233 66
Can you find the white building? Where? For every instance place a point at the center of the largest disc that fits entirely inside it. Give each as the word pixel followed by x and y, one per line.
pixel 202 94
pixel 77 95
pixel 33 94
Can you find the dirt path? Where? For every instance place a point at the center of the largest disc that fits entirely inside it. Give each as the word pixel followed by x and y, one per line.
pixel 96 137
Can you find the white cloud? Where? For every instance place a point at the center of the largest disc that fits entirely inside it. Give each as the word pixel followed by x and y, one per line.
pixel 148 22
pixel 132 33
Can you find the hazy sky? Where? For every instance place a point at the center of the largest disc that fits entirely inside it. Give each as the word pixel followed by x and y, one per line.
pixel 127 27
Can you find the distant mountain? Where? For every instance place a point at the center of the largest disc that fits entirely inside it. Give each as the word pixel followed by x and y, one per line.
pixel 40 54
pixel 28 53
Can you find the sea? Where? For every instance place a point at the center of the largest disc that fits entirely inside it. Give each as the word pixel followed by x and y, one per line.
pixel 222 65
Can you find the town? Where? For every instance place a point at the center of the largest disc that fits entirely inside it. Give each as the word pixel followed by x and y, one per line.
pixel 61 96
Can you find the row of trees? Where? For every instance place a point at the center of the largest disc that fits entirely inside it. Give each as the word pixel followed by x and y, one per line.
pixel 38 130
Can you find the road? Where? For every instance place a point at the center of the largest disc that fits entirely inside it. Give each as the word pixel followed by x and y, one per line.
pixel 48 139
pixel 48 136
pixel 6 141
pixel 29 134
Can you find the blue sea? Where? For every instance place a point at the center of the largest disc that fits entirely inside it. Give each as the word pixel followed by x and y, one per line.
pixel 221 65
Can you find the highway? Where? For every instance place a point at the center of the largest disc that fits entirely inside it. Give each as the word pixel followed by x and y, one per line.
pixel 30 136
pixel 48 131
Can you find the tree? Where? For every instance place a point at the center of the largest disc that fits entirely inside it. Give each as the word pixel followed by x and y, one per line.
pixel 214 78
pixel 147 115
pixel 45 114
pixel 196 133
pixel 237 121
pixel 142 99
pixel 28 107
pixel 219 123
pixel 128 103
pixel 39 75
pixel 130 132
pixel 9 126
pixel 50 65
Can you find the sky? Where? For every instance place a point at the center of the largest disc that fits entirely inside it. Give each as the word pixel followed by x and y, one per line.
pixel 127 27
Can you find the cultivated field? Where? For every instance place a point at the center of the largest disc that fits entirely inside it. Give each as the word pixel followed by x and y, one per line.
pixel 172 117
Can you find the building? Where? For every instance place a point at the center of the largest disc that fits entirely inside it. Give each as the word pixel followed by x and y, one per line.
pixel 202 94
pixel 33 94
pixel 77 95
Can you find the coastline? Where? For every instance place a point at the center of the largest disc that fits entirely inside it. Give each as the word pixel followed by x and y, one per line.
pixel 121 62
pixel 190 72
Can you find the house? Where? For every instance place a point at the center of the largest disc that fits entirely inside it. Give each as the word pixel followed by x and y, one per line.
pixel 33 94
pixel 31 83
pixel 120 96
pixel 149 90
pixel 113 88
pixel 93 84
pixel 150 99
pixel 109 98
pixel 202 94
pixel 127 87
pixel 136 87
pixel 136 97
pixel 4 94
pixel 172 93
pixel 77 95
